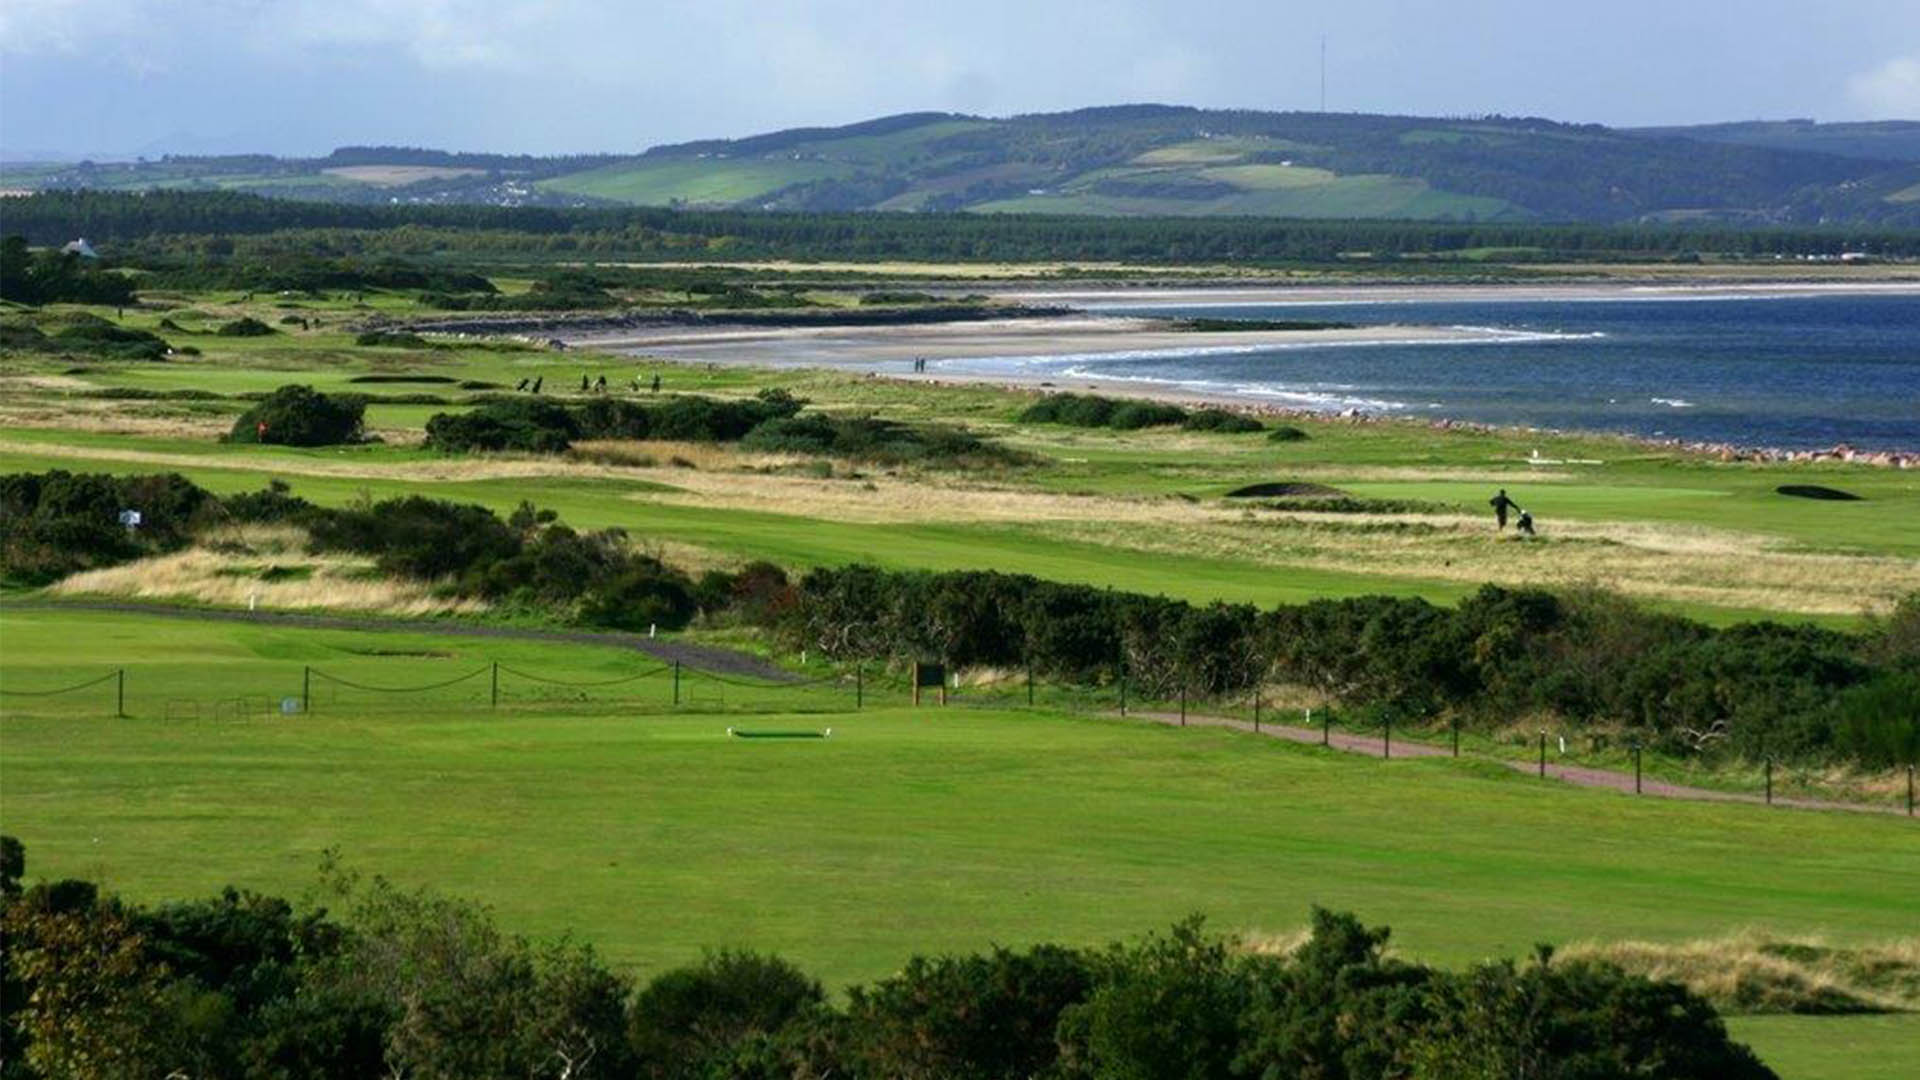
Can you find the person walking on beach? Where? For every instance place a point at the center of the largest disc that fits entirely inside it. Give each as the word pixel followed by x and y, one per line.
pixel 1525 524
pixel 1501 504
pixel 656 382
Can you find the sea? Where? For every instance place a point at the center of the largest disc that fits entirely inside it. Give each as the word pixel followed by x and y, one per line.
pixel 1790 372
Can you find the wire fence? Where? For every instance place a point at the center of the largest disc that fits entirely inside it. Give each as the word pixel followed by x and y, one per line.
pixel 287 692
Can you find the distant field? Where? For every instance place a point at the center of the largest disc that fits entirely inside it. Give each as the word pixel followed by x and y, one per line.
pixel 1273 190
pixel 700 182
pixel 395 175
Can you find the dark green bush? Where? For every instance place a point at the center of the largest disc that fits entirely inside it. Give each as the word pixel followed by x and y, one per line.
pixel 56 523
pixel 1221 420
pixel 245 326
pixel 532 425
pixel 689 1023
pixel 1134 415
pixel 882 442
pixel 1286 433
pixel 301 416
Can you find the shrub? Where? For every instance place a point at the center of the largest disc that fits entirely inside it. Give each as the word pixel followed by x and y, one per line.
pixel 301 416
pixel 1133 415
pixel 53 524
pixel 1286 433
pixel 992 1015
pixel 691 1021
pixel 1221 420
pixel 527 424
pixel 416 536
pixel 245 326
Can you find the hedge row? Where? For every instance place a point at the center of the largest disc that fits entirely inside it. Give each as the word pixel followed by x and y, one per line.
pixel 1591 658
pixel 414 984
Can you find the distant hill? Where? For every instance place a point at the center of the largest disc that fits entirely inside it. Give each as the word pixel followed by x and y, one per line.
pixel 1878 140
pixel 1151 160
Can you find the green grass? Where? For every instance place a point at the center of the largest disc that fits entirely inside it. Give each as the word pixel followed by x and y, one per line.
pixel 1833 1048
pixel 651 834
pixel 704 181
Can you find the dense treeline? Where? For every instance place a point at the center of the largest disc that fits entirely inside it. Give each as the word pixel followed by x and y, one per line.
pixel 169 222
pixel 308 274
pixel 1502 654
pixel 415 984
pixel 57 277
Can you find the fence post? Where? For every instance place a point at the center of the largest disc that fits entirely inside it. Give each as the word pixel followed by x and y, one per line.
pixel 859 686
pixel 1256 712
pixel 1123 689
pixel 1769 781
pixel 1636 766
pixel 1909 789
pixel 306 689
pixel 1326 726
pixel 1386 737
pixel 1029 684
pixel 1183 704
pixel 1456 736
pixel 676 682
pixel 496 684
pixel 120 695
pixel 1543 753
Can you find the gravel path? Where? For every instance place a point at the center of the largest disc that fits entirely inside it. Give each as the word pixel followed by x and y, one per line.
pixel 1578 775
pixel 708 658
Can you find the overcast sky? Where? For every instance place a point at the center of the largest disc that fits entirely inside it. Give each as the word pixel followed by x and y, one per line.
pixel 547 76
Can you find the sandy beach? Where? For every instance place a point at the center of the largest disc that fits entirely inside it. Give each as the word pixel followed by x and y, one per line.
pixel 1063 336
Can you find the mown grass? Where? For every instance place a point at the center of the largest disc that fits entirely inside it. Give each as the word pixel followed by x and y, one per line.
pixel 648 832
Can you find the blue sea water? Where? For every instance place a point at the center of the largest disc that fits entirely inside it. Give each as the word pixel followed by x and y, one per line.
pixel 1790 372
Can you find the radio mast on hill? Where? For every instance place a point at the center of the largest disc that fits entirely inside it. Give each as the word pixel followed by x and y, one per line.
pixel 1323 73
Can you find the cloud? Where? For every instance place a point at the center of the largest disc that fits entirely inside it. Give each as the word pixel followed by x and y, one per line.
pixel 1890 91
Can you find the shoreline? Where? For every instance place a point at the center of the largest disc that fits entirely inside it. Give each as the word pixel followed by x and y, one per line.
pixel 1089 334
pixel 1233 295
pixel 1843 453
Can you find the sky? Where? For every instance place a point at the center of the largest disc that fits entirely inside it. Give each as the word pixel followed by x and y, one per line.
pixel 299 77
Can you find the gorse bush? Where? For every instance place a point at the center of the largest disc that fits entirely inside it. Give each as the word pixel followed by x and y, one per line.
pixel 528 561
pixel 301 416
pixel 881 442
pixel 245 326
pixel 57 523
pixel 1093 411
pixel 766 422
pixel 410 983
pixel 526 424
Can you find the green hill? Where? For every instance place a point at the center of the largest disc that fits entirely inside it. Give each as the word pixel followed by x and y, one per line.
pixel 1147 160
pixel 1879 140
pixel 1164 160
